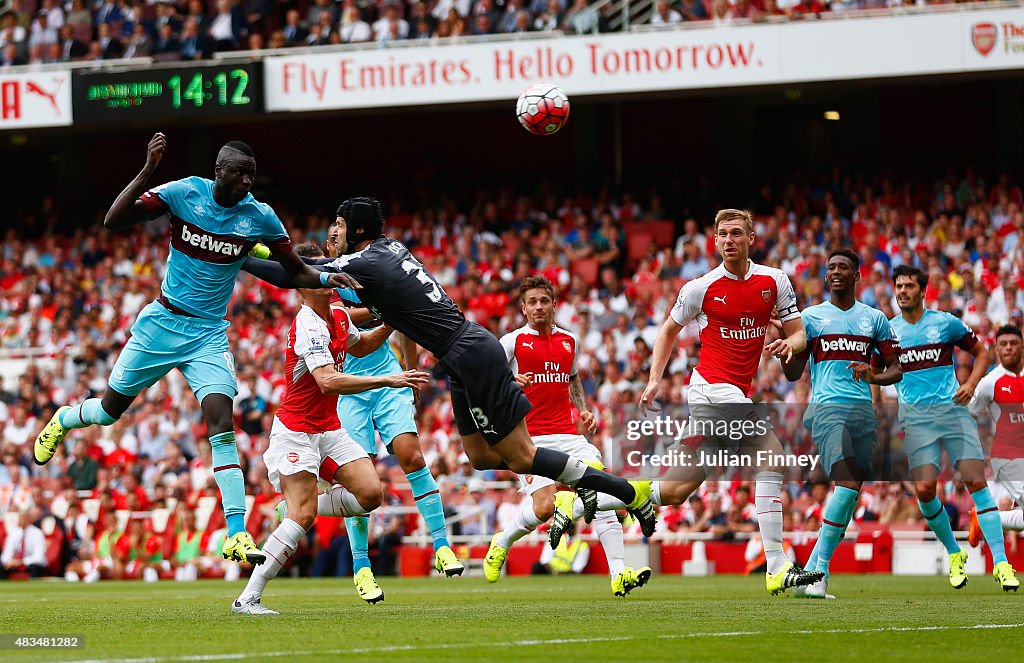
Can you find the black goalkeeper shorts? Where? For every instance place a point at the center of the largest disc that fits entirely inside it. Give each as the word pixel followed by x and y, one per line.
pixel 486 398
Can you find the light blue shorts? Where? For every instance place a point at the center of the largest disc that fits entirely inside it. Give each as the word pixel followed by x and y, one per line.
pixel 162 341
pixel 932 428
pixel 387 411
pixel 844 430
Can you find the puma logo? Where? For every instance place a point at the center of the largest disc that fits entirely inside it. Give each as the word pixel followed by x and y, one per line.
pixel 528 345
pixel 721 299
pixel 35 89
pixel 1007 389
pixel 489 431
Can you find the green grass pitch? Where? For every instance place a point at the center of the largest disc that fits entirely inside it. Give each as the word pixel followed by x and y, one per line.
pixel 724 618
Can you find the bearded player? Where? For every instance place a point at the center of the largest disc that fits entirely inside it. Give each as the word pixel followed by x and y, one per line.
pixel 842 336
pixel 543 359
pixel 1001 393
pixel 214 225
pixel 489 406
pixel 934 416
pixel 733 306
pixel 308 441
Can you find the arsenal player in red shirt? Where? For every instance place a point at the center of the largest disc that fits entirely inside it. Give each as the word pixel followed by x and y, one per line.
pixel 543 359
pixel 1001 392
pixel 733 306
pixel 308 440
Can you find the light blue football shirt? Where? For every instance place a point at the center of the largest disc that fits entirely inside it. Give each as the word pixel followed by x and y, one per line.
pixel 209 242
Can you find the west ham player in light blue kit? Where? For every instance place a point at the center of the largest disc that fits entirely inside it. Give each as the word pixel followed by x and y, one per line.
pixel 934 416
pixel 214 224
pixel 390 412
pixel 842 336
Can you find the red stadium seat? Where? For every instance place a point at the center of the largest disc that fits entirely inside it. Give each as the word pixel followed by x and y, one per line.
pixel 587 268
pixel 664 232
pixel 638 246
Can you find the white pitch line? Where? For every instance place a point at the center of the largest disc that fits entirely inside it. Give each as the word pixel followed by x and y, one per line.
pixel 535 643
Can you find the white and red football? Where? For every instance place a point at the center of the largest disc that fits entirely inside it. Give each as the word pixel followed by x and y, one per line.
pixel 543 109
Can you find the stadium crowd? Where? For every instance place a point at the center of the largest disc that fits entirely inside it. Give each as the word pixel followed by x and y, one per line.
pixel 50 31
pixel 68 299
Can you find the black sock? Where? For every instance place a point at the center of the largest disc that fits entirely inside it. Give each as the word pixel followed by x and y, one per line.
pixel 574 472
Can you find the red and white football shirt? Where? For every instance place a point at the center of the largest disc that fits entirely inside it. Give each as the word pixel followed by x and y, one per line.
pixel 1002 393
pixel 312 344
pixel 551 361
pixel 733 315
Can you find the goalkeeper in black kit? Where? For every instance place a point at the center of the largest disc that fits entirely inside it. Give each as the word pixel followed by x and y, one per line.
pixel 489 405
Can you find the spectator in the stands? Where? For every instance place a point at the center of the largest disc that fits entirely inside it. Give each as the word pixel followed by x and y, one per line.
pixel 24 549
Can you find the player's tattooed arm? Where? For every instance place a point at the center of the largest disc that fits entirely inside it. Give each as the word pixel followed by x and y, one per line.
pixel 579 398
pixel 127 209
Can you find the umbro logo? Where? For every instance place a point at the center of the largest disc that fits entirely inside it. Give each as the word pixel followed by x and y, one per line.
pixel 528 345
pixel 721 299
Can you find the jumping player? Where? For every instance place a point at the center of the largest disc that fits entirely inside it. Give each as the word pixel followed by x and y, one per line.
pixel 307 439
pixel 733 306
pixel 489 406
pixel 934 417
pixel 214 225
pixel 543 358
pixel 842 336
pixel 391 413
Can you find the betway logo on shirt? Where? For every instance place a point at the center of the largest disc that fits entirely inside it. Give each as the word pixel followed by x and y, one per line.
pixel 206 246
pixel 841 347
pixel 926 356
pixel 845 345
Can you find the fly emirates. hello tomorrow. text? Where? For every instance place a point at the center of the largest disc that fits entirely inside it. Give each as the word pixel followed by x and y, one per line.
pixel 734 429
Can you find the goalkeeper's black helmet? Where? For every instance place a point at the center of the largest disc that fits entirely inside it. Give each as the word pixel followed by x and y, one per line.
pixel 364 220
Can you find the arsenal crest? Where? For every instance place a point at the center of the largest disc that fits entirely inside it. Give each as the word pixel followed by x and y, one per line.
pixel 293 457
pixel 766 295
pixel 565 344
pixel 983 36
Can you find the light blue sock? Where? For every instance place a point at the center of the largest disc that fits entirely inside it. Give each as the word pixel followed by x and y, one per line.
pixel 833 524
pixel 86 413
pixel 938 520
pixel 358 528
pixel 812 559
pixel 991 523
pixel 228 473
pixel 428 501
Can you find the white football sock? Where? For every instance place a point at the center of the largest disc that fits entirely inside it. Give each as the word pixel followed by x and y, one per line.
pixel 525 521
pixel 279 548
pixel 767 501
pixel 1012 519
pixel 338 501
pixel 656 493
pixel 609 532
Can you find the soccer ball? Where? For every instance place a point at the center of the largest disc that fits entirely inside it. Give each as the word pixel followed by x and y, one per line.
pixel 543 109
